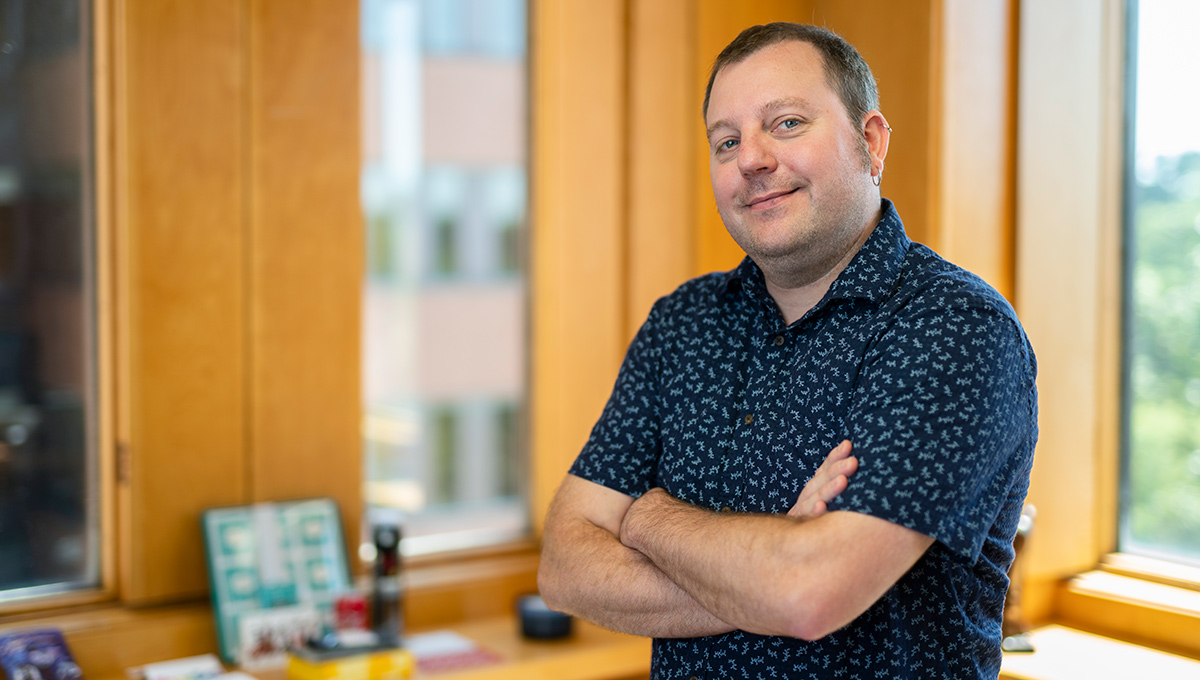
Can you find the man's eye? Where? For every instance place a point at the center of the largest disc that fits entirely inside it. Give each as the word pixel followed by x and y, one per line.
pixel 727 145
pixel 790 124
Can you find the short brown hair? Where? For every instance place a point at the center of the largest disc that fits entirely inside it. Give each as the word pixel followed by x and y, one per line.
pixel 846 71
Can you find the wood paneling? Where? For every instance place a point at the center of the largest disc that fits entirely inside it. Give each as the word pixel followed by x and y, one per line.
pixel 578 213
pixel 180 215
pixel 1061 219
pixel 664 122
pixel 899 40
pixel 974 203
pixel 717 23
pixel 238 267
pixel 305 254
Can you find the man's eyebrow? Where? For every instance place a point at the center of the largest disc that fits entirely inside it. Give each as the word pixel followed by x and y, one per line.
pixel 773 105
pixel 713 128
pixel 784 103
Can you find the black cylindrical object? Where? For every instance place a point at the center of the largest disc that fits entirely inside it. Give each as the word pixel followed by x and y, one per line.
pixel 387 588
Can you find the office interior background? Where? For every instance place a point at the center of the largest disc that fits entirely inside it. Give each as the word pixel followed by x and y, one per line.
pixel 391 252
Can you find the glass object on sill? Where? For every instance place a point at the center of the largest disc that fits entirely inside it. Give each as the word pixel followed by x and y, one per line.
pixel 1161 480
pixel 48 512
pixel 444 195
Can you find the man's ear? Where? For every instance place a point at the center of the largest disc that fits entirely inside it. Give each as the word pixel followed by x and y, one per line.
pixel 876 131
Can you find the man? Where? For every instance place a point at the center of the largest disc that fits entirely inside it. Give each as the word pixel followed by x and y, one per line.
pixel 700 512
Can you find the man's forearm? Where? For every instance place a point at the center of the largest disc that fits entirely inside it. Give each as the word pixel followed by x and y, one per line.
pixel 731 564
pixel 769 574
pixel 586 571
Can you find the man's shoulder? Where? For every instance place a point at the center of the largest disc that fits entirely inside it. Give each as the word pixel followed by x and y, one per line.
pixel 698 295
pixel 930 279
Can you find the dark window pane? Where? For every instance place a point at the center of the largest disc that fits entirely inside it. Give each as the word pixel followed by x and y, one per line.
pixel 48 517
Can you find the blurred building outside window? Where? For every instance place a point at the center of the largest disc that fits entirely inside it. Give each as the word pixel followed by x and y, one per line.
pixel 444 192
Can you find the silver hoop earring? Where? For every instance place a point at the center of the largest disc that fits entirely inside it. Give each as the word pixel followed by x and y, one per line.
pixel 877 179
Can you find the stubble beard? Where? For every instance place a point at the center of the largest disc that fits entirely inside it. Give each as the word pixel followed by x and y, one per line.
pixel 808 245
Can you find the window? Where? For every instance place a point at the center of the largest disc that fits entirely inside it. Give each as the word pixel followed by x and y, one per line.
pixel 48 507
pixel 1161 484
pixel 444 193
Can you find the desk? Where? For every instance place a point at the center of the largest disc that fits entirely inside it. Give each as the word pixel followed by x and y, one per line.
pixel 1066 654
pixel 591 653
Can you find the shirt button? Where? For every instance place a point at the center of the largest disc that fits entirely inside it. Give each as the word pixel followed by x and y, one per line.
pixel 778 340
pixel 748 419
pixel 726 509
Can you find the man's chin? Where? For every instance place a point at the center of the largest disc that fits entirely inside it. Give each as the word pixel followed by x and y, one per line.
pixel 772 250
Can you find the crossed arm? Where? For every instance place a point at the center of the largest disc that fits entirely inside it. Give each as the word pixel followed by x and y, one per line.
pixel 660 567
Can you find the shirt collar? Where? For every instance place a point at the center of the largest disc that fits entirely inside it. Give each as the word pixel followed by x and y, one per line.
pixel 871 274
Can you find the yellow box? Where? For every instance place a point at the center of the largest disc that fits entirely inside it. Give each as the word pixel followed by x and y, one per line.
pixel 389 664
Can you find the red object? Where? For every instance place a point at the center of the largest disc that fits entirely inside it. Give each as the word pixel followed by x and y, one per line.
pixel 350 612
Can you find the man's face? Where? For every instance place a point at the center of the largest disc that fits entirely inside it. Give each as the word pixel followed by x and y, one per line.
pixel 790 172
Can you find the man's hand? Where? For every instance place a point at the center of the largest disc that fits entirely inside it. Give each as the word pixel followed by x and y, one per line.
pixel 831 479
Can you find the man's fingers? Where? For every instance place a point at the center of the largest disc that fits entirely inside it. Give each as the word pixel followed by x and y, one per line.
pixel 848 466
pixel 839 452
pixel 831 489
pixel 845 466
pixel 830 480
pixel 830 466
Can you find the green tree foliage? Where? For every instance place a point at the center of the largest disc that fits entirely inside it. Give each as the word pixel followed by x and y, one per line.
pixel 1164 345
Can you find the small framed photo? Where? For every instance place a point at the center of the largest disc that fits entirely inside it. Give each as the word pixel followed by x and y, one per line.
pixel 266 635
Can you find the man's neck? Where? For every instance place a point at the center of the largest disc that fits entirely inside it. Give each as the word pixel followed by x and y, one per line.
pixel 795 301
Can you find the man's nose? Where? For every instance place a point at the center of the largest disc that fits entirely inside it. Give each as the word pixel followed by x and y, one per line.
pixel 755 155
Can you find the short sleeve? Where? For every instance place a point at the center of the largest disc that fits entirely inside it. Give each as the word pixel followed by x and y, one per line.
pixel 624 447
pixel 943 417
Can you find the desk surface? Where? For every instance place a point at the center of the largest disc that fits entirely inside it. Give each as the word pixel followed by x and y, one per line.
pixel 1066 654
pixel 591 653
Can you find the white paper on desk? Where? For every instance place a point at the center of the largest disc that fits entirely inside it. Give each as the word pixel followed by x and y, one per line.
pixel 203 667
pixel 438 643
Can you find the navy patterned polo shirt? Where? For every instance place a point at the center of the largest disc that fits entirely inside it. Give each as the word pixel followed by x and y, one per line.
pixel 920 364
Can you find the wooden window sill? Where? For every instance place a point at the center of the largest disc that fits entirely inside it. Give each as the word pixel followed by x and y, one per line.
pixel 1129 619
pixel 1137 610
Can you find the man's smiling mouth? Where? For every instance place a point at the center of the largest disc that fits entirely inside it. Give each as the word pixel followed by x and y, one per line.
pixel 766 200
